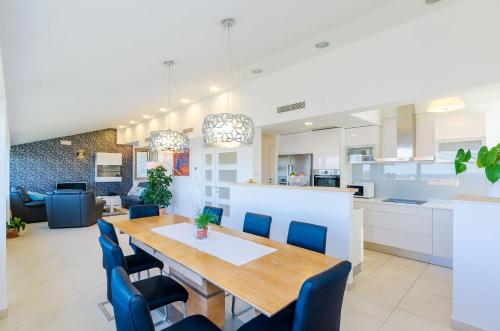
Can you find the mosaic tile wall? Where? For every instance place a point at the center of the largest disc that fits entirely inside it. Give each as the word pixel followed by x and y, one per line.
pixel 38 166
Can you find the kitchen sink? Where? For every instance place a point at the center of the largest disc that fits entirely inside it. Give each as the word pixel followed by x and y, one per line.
pixel 406 201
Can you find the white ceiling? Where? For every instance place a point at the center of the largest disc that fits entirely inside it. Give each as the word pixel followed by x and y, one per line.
pixel 76 66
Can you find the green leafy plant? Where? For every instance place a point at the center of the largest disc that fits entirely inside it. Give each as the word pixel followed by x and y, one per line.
pixel 16 223
pixel 203 219
pixel 489 159
pixel 158 191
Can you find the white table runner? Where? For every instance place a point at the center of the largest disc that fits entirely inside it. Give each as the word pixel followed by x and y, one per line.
pixel 228 248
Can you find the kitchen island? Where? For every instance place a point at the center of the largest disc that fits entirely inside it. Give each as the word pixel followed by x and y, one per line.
pixel 327 206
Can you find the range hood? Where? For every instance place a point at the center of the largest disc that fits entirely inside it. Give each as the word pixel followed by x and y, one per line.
pixel 405 137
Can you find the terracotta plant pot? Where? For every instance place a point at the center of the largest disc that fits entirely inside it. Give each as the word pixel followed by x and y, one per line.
pixel 163 211
pixel 200 233
pixel 12 233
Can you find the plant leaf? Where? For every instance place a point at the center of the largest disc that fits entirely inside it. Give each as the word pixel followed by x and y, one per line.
pixel 481 157
pixel 460 157
pixel 491 158
pixel 459 167
pixel 468 155
pixel 493 172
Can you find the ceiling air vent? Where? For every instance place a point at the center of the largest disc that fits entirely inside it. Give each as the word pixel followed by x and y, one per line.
pixel 291 107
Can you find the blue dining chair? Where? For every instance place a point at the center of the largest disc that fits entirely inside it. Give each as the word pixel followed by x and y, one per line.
pixel 140 211
pixel 318 307
pixel 132 311
pixel 159 291
pixel 257 224
pixel 217 212
pixel 136 263
pixel 308 236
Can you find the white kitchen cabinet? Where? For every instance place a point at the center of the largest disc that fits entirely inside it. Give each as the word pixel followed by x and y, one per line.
pixel 425 142
pixel 362 136
pixel 442 239
pixel 326 149
pixel 405 240
pixel 296 143
pixel 367 233
pixel 468 126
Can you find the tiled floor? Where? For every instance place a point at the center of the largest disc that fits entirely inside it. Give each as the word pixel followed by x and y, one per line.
pixel 55 280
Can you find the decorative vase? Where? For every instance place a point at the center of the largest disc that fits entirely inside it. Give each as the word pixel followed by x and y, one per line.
pixel 12 233
pixel 200 233
pixel 493 190
pixel 163 211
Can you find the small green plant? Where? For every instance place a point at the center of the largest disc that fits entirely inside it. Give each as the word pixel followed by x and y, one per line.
pixel 203 219
pixel 158 191
pixel 489 159
pixel 16 223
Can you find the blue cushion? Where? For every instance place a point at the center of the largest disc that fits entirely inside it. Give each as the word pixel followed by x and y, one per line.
pixel 193 323
pixel 35 196
pixel 217 212
pixel 143 211
pixel 257 224
pixel 308 236
pixel 35 203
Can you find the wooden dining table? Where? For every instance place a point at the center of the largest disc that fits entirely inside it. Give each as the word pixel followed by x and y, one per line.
pixel 268 284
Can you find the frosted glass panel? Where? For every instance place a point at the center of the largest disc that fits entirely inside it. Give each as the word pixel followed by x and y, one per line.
pixel 401 171
pixel 208 191
pixel 208 159
pixel 227 176
pixel 208 203
pixel 208 175
pixel 228 158
pixel 224 193
pixel 225 208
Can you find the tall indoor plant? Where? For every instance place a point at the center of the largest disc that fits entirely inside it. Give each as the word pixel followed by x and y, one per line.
pixel 157 191
pixel 489 159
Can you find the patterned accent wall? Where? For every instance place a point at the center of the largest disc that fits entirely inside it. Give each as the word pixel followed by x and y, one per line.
pixel 38 166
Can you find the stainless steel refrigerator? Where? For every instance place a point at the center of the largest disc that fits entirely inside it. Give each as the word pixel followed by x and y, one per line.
pixel 294 164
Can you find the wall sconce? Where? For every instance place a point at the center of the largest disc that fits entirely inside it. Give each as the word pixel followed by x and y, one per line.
pixel 80 155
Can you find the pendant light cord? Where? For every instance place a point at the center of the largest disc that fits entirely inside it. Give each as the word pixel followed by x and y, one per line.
pixel 229 67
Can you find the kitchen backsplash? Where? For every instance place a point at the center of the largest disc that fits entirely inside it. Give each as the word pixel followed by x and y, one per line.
pixel 420 181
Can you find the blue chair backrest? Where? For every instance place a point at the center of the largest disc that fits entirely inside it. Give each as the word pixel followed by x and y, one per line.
pixel 320 299
pixel 217 212
pixel 143 211
pixel 113 257
pixel 130 307
pixel 306 235
pixel 107 229
pixel 257 224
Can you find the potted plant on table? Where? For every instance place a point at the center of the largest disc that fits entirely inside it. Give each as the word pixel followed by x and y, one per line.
pixel 157 191
pixel 201 223
pixel 489 159
pixel 14 227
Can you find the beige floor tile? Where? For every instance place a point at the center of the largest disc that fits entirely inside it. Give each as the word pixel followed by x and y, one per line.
pixel 437 280
pixel 401 270
pixel 367 305
pixel 408 321
pixel 388 291
pixel 353 320
pixel 428 305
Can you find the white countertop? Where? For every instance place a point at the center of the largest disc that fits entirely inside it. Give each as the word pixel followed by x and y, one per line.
pixel 305 188
pixel 431 203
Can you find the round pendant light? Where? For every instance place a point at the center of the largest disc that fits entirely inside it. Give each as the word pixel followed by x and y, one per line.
pixel 168 140
pixel 446 105
pixel 228 129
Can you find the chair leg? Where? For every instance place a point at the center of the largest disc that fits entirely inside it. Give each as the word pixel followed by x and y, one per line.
pixel 149 276
pixel 164 318
pixel 183 310
pixel 233 306
pixel 105 312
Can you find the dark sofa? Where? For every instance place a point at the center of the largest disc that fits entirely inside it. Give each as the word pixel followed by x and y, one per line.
pixel 128 201
pixel 73 208
pixel 22 206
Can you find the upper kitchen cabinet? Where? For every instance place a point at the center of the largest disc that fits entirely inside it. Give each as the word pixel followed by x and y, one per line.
pixel 326 149
pixel 452 132
pixel 362 144
pixel 296 143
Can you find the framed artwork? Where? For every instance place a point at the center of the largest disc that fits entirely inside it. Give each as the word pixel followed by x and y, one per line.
pixel 140 163
pixel 181 163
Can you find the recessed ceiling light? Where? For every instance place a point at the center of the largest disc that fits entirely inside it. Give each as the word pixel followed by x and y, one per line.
pixel 308 123
pixel 431 1
pixel 122 126
pixel 146 116
pixel 132 122
pixel 214 88
pixel 163 110
pixel 322 44
pixel 185 100
pixel 256 71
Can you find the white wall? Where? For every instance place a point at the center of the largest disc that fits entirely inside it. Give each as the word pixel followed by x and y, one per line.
pixel 4 189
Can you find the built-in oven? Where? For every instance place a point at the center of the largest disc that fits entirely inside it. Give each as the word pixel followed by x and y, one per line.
pixel 327 178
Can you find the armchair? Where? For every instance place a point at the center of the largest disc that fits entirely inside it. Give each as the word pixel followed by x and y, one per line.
pixel 22 206
pixel 73 208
